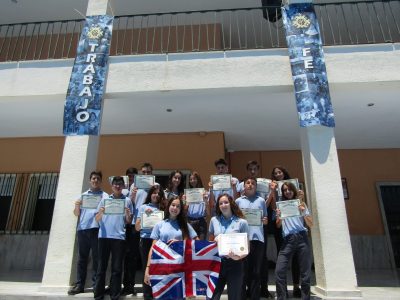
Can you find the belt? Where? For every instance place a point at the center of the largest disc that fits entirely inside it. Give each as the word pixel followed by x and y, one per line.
pixel 196 219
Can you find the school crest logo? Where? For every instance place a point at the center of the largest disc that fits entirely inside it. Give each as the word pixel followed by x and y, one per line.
pixel 95 32
pixel 301 21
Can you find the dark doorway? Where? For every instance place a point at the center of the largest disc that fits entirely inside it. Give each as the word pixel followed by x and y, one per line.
pixel 390 196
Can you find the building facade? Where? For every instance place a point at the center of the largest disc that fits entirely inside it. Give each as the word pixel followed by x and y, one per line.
pixel 189 83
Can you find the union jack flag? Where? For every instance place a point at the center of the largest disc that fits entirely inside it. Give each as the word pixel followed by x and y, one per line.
pixel 184 269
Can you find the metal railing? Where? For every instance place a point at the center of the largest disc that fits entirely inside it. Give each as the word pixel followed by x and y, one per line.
pixel 341 23
pixel 27 202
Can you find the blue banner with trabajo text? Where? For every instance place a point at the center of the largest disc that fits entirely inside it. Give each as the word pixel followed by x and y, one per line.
pixel 82 109
pixel 308 65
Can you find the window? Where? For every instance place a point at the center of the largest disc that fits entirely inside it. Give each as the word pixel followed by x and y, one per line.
pixel 27 201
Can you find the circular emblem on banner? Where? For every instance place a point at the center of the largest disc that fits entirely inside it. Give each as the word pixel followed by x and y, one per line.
pixel 241 248
pixel 95 32
pixel 301 21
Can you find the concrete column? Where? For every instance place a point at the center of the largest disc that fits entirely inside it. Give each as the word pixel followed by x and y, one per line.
pixel 333 256
pixel 79 159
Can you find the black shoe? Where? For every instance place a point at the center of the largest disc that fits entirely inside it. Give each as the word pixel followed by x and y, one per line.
pixel 76 290
pixel 107 291
pixel 266 294
pixel 128 291
pixel 296 292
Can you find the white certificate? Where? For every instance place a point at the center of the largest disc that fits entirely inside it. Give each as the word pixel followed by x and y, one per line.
pixel 263 185
pixel 289 208
pixel 90 201
pixel 114 206
pixel 253 216
pixel 295 181
pixel 194 195
pixel 151 219
pixel 235 242
pixel 221 182
pixel 144 181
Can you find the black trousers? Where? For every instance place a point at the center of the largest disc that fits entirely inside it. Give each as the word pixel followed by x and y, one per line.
pixel 145 245
pixel 253 271
pixel 264 266
pixel 294 244
pixel 87 241
pixel 116 248
pixel 231 274
pixel 131 256
pixel 295 260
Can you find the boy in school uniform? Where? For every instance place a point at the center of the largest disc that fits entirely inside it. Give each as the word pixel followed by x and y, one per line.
pixel 131 254
pixel 112 241
pixel 221 167
pixel 87 232
pixel 253 170
pixel 251 202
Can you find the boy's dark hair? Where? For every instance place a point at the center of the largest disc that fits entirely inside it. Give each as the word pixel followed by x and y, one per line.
pixel 96 172
pixel 131 170
pixel 249 177
pixel 220 161
pixel 252 163
pixel 117 179
pixel 147 165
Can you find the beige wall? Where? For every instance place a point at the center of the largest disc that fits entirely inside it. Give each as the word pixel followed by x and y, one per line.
pixel 118 152
pixel 192 151
pixel 186 151
pixel 27 155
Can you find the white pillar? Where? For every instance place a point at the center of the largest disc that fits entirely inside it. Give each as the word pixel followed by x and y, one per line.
pixel 333 257
pixel 79 159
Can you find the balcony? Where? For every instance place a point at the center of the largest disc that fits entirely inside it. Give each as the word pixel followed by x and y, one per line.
pixel 341 23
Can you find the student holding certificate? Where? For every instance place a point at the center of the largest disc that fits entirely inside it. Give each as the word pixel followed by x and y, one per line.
pixel 173 228
pixel 253 170
pixel 151 207
pixel 176 185
pixel 138 195
pixel 131 242
pixel 255 211
pixel 280 173
pixel 221 167
pixel 113 214
pixel 196 211
pixel 229 219
pixel 87 230
pixel 295 241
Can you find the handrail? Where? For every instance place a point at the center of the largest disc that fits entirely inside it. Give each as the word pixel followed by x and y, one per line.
pixel 341 23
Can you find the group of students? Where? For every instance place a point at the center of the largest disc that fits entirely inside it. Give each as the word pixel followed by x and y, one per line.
pixel 122 237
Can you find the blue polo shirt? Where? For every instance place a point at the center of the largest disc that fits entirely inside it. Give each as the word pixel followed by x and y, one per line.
pixel 220 225
pixel 294 224
pixel 86 217
pixel 169 230
pixel 255 202
pixel 113 226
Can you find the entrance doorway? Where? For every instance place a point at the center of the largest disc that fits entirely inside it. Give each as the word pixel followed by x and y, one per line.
pixel 389 196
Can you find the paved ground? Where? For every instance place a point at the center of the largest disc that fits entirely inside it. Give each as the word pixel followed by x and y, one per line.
pixel 374 285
